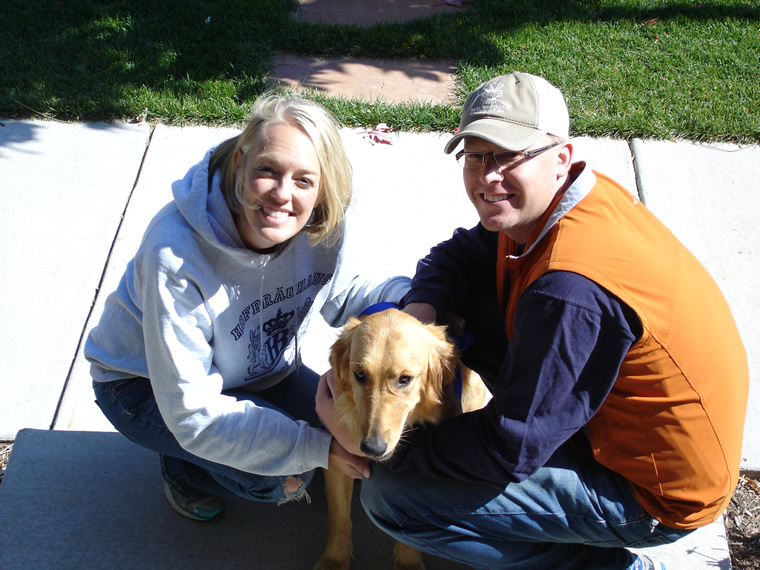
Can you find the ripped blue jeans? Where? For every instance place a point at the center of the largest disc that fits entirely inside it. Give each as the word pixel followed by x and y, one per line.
pixel 131 407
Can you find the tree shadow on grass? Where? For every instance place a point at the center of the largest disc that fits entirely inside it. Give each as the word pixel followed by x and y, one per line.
pixel 84 60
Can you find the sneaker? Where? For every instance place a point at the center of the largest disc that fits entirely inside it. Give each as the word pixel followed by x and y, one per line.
pixel 648 562
pixel 206 509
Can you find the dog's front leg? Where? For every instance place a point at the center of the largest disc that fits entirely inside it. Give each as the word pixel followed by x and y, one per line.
pixel 338 488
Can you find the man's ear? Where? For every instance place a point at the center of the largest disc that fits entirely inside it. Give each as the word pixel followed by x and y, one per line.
pixel 564 159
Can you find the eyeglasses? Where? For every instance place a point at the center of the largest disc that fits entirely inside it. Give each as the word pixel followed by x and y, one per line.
pixel 503 158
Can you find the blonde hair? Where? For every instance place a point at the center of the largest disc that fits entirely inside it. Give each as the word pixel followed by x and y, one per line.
pixel 327 220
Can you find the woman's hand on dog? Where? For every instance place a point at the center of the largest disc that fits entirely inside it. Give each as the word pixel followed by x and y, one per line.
pixel 353 466
pixel 344 451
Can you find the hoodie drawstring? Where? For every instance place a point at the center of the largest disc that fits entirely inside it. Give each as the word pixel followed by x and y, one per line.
pixel 298 322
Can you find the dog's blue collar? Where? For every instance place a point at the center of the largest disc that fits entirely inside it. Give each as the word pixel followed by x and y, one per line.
pixel 378 308
pixel 461 342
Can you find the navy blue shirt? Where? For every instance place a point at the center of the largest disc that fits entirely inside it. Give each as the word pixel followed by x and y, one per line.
pixel 570 338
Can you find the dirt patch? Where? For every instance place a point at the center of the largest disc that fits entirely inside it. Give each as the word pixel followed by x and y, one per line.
pixel 5 453
pixel 742 520
pixel 368 79
pixel 370 12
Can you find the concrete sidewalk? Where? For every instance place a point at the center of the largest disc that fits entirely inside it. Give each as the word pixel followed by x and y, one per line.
pixel 78 198
pixel 93 500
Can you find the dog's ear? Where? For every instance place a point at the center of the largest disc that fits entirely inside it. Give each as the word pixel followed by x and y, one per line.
pixel 351 324
pixel 340 352
pixel 443 355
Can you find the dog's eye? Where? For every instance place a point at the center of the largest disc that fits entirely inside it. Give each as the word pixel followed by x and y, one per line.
pixel 404 380
pixel 359 376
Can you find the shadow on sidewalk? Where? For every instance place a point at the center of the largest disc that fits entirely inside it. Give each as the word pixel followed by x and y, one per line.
pixel 94 500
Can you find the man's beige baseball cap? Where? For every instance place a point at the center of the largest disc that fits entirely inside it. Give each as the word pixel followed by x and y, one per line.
pixel 513 111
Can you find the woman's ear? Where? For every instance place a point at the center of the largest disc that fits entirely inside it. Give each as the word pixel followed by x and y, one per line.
pixel 237 159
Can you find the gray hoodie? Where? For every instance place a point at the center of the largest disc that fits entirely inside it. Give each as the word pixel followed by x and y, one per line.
pixel 198 313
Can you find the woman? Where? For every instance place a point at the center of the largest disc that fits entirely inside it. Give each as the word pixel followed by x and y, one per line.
pixel 196 356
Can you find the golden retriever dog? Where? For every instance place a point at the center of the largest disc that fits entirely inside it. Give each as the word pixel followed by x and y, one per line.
pixel 391 372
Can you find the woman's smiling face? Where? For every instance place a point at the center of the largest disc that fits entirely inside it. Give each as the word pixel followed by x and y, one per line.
pixel 280 176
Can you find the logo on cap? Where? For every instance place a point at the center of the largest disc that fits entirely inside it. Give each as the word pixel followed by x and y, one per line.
pixel 489 99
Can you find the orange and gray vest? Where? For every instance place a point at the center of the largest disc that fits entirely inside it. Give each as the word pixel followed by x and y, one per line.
pixel 673 422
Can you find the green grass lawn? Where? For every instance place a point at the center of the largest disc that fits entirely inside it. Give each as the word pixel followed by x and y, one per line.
pixel 628 68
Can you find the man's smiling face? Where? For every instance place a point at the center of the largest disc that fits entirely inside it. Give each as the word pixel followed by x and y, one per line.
pixel 512 199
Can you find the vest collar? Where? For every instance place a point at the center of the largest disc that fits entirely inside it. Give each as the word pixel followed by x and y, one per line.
pixel 584 181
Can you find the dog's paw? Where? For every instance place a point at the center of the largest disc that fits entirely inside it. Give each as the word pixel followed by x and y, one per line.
pixel 408 565
pixel 404 566
pixel 330 563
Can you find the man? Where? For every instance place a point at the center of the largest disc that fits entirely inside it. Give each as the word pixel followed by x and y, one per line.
pixel 619 380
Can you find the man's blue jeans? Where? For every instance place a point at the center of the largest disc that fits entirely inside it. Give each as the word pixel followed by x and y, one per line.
pixel 572 513
pixel 131 407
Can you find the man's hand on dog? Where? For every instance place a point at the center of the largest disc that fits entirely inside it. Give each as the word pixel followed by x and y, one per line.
pixel 344 451
pixel 426 313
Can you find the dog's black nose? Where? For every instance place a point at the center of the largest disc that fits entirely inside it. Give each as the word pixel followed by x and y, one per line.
pixel 373 447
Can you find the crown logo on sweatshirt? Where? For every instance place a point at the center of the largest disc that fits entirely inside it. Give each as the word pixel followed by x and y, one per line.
pixel 278 322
